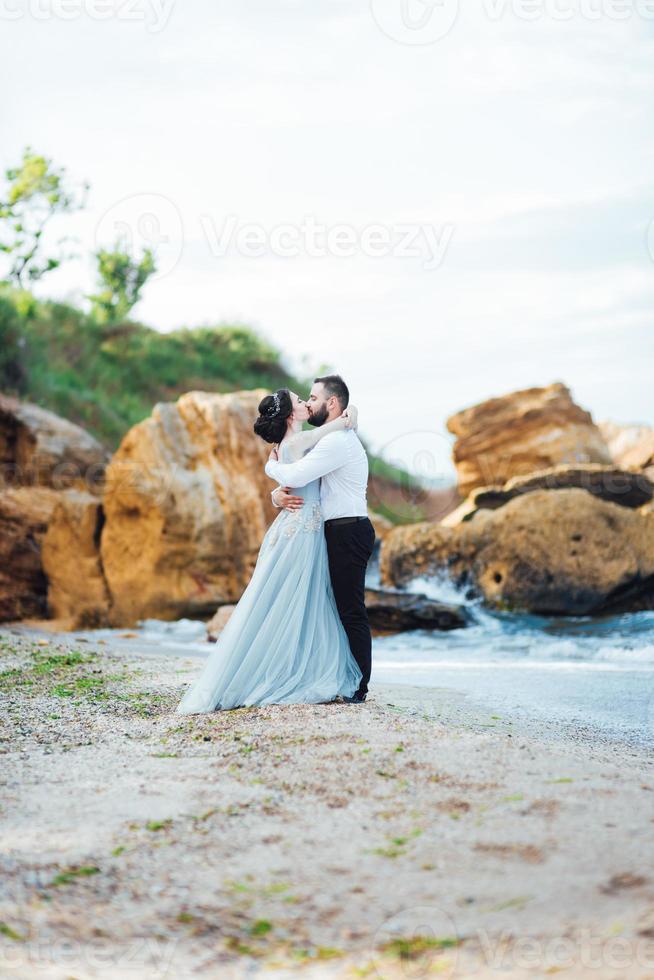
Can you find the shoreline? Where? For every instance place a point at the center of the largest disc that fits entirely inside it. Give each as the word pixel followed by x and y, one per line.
pixel 447 702
pixel 405 834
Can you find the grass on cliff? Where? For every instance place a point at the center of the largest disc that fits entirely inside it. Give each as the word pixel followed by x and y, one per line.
pixel 106 378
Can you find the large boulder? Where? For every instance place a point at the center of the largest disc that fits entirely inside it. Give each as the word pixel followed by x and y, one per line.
pixel 526 430
pixel 623 487
pixel 43 459
pixel 550 551
pixel 70 553
pixel 38 448
pixel 186 506
pixel 413 551
pixel 24 516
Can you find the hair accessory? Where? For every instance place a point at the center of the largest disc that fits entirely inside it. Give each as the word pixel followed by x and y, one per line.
pixel 273 410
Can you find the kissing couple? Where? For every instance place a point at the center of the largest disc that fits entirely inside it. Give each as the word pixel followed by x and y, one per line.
pixel 300 631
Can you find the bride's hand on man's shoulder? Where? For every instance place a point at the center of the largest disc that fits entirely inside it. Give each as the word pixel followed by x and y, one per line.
pixel 351 415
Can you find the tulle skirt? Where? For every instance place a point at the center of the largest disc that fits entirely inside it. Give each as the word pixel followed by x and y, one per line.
pixel 284 643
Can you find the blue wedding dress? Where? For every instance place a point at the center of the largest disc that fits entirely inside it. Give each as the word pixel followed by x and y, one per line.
pixel 284 643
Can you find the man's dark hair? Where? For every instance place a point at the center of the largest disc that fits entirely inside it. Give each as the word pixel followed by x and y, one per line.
pixel 334 385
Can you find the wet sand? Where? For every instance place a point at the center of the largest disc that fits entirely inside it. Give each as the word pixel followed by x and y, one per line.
pixel 416 835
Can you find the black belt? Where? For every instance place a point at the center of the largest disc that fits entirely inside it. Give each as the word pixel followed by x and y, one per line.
pixel 344 520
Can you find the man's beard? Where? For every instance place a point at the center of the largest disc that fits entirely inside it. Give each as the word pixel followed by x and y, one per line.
pixel 319 416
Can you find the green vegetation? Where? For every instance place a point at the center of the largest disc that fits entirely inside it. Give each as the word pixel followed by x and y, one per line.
pixel 155 825
pixel 58 674
pixel 73 874
pixel 106 377
pixel 35 193
pixel 418 947
pixel 122 278
pixel 9 933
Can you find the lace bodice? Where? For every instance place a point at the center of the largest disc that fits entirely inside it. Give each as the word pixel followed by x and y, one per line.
pixel 307 519
pixel 310 493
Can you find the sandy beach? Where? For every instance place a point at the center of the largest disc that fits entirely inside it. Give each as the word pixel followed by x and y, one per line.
pixel 415 835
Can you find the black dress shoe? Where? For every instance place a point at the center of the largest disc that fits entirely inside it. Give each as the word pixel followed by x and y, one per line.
pixel 357 698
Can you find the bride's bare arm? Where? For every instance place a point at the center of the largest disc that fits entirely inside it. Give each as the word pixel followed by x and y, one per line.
pixel 301 442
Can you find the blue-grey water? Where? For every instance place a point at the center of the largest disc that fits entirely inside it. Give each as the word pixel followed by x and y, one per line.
pixel 592 674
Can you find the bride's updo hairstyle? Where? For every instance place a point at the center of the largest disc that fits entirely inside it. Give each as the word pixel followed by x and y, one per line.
pixel 274 413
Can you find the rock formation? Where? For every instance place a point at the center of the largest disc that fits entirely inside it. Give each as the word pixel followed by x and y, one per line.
pixel 42 459
pixel 77 590
pixel 218 622
pixel 526 430
pixel 391 612
pixel 623 487
pixel 38 448
pixel 24 516
pixel 550 551
pixel 186 505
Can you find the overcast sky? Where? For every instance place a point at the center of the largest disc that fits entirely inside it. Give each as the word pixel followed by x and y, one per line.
pixel 443 203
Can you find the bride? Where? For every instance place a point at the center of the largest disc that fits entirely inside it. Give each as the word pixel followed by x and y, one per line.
pixel 284 643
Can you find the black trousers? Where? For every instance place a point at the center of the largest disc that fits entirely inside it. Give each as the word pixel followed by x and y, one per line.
pixel 349 547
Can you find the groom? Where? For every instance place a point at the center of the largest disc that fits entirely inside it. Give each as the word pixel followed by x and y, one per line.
pixel 341 461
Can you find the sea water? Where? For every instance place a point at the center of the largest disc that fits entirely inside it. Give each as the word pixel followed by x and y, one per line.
pixel 588 673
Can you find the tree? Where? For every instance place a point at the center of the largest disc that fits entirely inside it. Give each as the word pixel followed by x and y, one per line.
pixel 36 192
pixel 122 278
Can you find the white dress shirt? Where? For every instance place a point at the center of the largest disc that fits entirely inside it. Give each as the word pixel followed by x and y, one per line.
pixel 340 461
